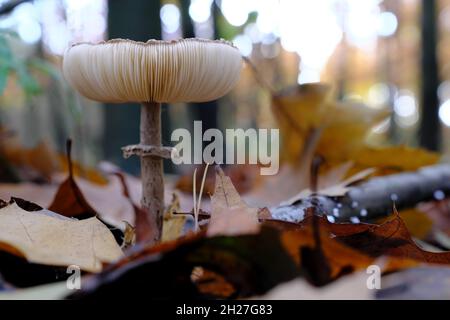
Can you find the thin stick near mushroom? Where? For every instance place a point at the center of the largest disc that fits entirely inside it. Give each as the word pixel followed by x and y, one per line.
pixel 151 73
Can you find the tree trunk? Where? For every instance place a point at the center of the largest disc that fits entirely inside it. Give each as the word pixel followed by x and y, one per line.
pixel 429 125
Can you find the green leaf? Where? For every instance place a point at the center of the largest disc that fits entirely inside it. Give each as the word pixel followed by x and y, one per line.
pixel 8 63
pixel 6 57
pixel 28 83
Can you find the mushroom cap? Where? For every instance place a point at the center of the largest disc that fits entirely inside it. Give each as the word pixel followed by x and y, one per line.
pixel 186 70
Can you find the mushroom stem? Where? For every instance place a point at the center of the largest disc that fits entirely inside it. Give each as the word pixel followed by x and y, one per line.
pixel 152 169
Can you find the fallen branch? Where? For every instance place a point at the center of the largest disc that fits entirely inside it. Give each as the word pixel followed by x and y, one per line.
pixel 376 197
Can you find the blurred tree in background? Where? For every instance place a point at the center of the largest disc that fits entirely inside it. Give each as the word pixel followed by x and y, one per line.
pixel 388 54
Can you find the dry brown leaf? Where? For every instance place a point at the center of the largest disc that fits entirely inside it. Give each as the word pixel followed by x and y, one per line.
pixel 341 188
pixel 243 177
pixel 89 174
pixel 333 190
pixel 48 238
pixel 110 203
pixel 276 189
pixel 230 215
pixel 69 201
pixel 339 256
pixel 417 222
pixel 143 228
pixel 391 238
pixel 45 162
pixel 41 158
pixel 211 283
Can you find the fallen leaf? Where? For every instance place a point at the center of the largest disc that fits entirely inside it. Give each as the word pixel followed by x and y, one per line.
pixel 305 108
pixel 332 190
pixel 142 229
pixel 92 175
pixel 48 238
pixel 42 162
pixel 243 177
pixel 391 238
pixel 393 159
pixel 349 287
pixel 210 283
pixel 32 163
pixel 108 201
pixel 244 261
pixel 174 224
pixel 230 215
pixel 69 200
pixel 341 188
pixel 426 282
pixel 53 291
pixel 129 236
pixel 417 222
pixel 335 259
pixel 287 182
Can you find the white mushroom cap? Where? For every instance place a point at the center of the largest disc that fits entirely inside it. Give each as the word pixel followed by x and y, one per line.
pixel 186 70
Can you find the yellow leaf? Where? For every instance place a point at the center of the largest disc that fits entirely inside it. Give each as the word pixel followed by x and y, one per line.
pixel 173 224
pixel 87 173
pixel 308 108
pixel 394 159
pixel 129 236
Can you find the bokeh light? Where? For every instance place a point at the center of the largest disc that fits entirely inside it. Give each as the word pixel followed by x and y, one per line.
pixel 170 18
pixel 405 108
pixel 378 96
pixel 387 24
pixel 244 44
pixel 236 11
pixel 200 10
pixel 444 113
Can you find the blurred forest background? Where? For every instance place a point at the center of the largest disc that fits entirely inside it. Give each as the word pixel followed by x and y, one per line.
pixel 392 54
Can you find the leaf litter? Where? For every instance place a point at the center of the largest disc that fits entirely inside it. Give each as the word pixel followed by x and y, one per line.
pixel 226 247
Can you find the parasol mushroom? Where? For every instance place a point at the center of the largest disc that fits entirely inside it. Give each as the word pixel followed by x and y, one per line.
pixel 151 73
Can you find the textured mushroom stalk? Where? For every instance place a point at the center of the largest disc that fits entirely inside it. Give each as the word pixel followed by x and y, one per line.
pixel 152 168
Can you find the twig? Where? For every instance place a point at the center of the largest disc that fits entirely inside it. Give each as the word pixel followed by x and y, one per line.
pixel 194 197
pixel 374 198
pixel 200 196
